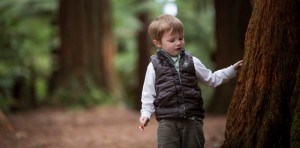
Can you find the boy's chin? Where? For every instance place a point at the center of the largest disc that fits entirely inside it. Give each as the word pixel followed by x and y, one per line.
pixel 175 54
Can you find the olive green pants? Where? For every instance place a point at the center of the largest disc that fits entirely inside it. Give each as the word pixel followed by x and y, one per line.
pixel 186 133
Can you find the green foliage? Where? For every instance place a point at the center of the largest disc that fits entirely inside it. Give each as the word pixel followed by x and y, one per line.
pixel 81 93
pixel 5 103
pixel 26 40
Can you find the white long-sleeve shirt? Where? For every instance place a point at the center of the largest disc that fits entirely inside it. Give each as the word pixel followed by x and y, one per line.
pixel 204 75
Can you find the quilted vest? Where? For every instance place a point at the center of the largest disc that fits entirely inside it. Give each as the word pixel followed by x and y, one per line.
pixel 178 95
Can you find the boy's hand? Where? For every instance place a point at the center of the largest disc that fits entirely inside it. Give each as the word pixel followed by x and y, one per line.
pixel 238 65
pixel 144 121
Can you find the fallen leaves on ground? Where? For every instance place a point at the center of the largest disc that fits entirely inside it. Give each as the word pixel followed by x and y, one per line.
pixel 100 127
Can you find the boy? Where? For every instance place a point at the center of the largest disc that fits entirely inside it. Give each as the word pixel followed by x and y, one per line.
pixel 171 87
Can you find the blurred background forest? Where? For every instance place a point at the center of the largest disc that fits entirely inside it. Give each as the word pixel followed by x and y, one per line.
pixel 86 53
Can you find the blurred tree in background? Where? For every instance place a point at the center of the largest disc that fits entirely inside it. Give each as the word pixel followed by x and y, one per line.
pixel 143 49
pixel 85 59
pixel 214 32
pixel 231 21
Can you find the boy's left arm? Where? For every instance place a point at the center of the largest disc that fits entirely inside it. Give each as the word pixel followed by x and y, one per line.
pixel 214 79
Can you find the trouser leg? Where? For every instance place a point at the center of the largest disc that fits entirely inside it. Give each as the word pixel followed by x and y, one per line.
pixel 167 134
pixel 192 134
pixel 180 134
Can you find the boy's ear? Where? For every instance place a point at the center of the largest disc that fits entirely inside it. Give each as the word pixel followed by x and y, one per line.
pixel 157 43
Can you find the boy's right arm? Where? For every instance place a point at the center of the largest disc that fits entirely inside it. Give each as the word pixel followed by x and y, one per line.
pixel 144 122
pixel 148 95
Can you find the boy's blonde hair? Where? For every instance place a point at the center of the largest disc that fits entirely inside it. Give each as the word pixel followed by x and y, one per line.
pixel 164 23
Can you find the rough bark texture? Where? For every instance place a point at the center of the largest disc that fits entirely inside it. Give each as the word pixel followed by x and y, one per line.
pixel 232 17
pixel 259 114
pixel 87 45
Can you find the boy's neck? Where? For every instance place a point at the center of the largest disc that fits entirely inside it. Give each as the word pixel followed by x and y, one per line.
pixel 168 55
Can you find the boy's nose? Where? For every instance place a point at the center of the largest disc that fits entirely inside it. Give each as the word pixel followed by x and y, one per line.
pixel 178 42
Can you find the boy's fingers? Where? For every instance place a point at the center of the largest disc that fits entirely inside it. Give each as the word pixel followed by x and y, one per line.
pixel 141 127
pixel 144 121
pixel 238 65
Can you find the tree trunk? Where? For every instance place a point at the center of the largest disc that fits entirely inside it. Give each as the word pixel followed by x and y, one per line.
pixel 232 17
pixel 260 114
pixel 144 54
pixel 87 46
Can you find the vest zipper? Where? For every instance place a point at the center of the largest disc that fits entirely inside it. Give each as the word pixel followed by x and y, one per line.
pixel 179 75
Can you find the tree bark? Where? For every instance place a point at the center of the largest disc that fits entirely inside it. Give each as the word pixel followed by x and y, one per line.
pixel 232 17
pixel 260 114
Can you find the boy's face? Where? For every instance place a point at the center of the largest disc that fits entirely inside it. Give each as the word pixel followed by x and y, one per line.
pixel 171 43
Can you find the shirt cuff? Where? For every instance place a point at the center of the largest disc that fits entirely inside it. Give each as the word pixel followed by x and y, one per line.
pixel 146 114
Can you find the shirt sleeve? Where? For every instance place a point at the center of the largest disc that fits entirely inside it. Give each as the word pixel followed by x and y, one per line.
pixel 148 92
pixel 213 79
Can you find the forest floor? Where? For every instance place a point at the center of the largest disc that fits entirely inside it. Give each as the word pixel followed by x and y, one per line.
pixel 101 127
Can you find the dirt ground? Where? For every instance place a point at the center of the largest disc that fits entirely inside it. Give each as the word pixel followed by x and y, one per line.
pixel 101 127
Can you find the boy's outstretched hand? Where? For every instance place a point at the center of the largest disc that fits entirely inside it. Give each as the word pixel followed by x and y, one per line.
pixel 144 121
pixel 237 66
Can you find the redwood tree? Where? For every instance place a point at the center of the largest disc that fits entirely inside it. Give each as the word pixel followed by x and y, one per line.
pixel 262 112
pixel 85 58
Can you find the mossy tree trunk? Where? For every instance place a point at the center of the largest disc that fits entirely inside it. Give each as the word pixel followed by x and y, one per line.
pixel 261 111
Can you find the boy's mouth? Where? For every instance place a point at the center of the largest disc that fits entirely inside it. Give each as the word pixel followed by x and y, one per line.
pixel 178 49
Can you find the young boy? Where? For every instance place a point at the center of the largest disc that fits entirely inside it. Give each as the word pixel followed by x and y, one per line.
pixel 171 87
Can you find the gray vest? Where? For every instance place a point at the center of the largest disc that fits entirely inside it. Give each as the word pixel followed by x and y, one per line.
pixel 178 93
